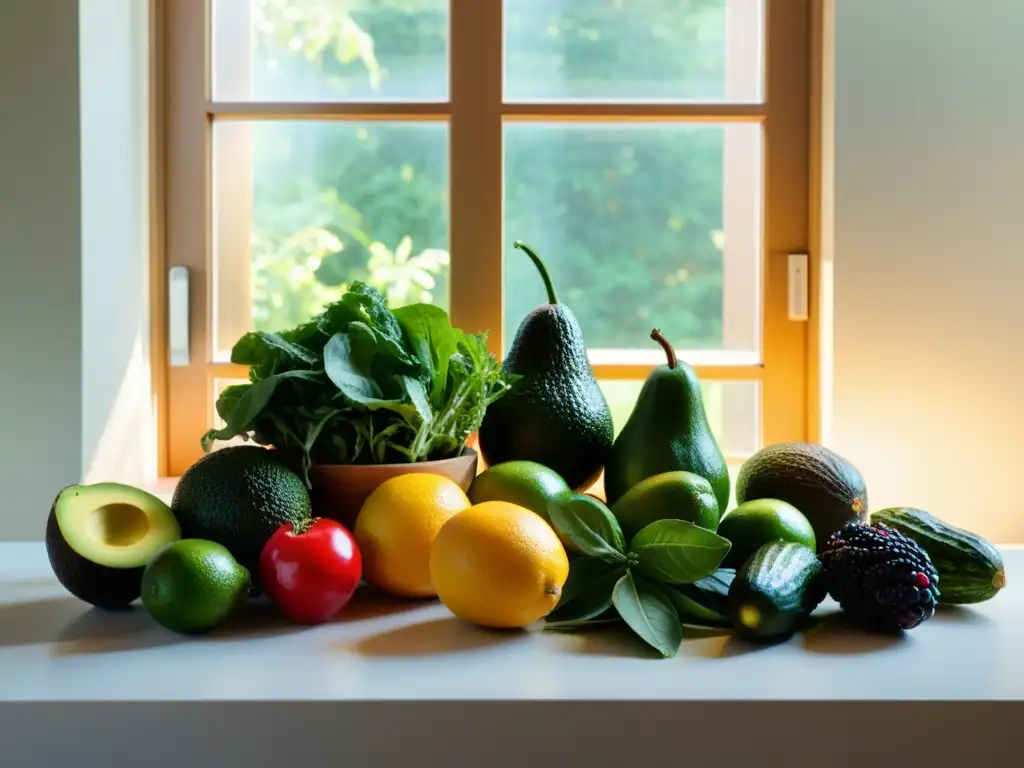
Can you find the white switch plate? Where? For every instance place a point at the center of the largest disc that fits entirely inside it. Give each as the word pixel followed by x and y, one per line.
pixel 178 315
pixel 798 286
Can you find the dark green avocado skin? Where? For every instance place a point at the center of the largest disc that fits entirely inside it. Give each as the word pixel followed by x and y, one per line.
pixel 555 414
pixel 106 588
pixel 827 488
pixel 239 496
pixel 667 431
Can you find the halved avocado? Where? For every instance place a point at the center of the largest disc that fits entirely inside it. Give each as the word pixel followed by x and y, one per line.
pixel 100 537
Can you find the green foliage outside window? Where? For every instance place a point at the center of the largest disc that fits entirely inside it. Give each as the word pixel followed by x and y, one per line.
pixel 631 227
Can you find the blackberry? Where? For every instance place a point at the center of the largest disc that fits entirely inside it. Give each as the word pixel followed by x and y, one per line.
pixel 883 580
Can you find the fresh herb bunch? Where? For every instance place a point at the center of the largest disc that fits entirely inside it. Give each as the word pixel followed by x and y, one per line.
pixel 666 577
pixel 362 384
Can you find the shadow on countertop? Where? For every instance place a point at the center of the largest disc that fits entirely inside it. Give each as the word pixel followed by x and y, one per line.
pixel 833 633
pixel 962 614
pixel 434 636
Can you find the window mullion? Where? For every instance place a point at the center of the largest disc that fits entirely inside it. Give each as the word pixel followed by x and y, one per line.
pixel 187 244
pixel 475 63
pixel 787 175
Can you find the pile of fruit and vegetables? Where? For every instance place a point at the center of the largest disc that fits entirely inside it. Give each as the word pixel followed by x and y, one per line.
pixel 364 384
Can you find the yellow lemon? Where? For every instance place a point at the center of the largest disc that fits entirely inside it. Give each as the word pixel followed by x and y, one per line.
pixel 498 565
pixel 396 528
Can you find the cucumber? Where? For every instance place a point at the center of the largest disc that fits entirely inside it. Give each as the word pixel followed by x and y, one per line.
pixel 775 590
pixel 970 569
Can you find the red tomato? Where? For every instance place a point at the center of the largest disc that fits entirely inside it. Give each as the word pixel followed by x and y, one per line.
pixel 311 571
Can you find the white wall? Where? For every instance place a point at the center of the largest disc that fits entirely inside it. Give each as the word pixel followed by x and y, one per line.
pixel 40 262
pixel 118 440
pixel 929 255
pixel 74 387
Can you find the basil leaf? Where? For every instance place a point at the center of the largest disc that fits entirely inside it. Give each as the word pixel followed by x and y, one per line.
pixel 705 601
pixel 585 571
pixel 678 552
pixel 692 612
pixel 718 582
pixel 573 626
pixel 587 592
pixel 649 612
pixel 588 524
pixel 587 606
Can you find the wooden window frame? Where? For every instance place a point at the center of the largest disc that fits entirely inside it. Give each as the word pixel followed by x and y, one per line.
pixel 184 112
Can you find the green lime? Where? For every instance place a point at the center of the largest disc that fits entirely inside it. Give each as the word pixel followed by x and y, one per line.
pixel 193 585
pixel 525 483
pixel 675 495
pixel 760 521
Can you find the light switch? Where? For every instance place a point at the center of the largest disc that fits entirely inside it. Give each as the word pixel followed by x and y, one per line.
pixel 798 286
pixel 178 315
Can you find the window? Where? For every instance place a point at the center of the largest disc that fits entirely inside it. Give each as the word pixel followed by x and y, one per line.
pixel 655 152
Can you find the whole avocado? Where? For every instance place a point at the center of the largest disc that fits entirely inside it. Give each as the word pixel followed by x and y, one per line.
pixel 555 414
pixel 667 431
pixel 827 488
pixel 238 497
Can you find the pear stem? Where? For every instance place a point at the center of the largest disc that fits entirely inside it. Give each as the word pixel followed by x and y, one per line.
pixel 669 352
pixel 548 285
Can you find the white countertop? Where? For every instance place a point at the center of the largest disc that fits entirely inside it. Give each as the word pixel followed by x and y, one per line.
pixel 55 648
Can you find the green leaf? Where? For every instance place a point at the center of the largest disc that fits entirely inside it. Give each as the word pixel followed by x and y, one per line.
pixel 577 625
pixel 678 552
pixel 357 390
pixel 692 612
pixel 590 525
pixel 249 404
pixel 718 583
pixel 417 395
pixel 433 340
pixel 649 612
pixel 340 367
pixel 587 592
pixel 705 601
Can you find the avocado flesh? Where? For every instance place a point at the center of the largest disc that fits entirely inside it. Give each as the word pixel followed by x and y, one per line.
pixel 555 414
pixel 114 525
pixel 100 537
pixel 667 431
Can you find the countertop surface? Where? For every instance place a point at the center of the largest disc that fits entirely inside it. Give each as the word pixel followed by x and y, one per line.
pixel 56 648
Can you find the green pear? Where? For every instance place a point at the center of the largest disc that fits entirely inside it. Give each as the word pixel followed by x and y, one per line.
pixel 667 431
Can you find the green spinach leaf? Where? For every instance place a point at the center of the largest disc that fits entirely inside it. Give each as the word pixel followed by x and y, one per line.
pixel 433 340
pixel 360 384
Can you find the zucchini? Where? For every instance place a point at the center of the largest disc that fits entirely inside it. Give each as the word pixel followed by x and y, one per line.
pixel 775 590
pixel 970 569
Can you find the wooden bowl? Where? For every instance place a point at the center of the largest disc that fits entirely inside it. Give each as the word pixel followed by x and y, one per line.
pixel 339 490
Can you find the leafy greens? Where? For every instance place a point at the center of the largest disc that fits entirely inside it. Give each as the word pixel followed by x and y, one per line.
pixel 362 384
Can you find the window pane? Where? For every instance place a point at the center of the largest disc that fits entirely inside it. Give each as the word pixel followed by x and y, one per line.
pixel 733 409
pixel 330 50
pixel 304 208
pixel 641 226
pixel 633 50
